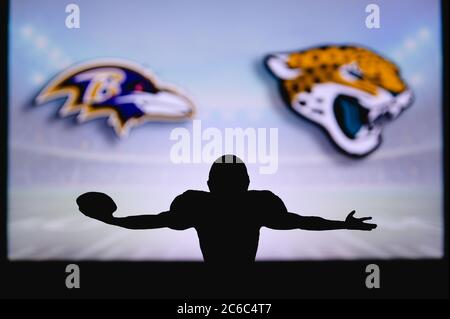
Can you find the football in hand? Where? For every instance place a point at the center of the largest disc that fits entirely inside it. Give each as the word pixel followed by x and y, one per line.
pixel 96 205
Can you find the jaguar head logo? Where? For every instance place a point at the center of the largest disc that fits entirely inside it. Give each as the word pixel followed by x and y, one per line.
pixel 350 91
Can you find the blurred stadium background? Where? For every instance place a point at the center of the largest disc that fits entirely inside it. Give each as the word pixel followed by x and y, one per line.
pixel 214 51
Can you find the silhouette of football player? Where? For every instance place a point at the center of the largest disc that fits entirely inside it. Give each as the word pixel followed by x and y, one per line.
pixel 227 219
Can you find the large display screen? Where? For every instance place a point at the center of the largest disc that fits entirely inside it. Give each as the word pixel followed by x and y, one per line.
pixel 333 107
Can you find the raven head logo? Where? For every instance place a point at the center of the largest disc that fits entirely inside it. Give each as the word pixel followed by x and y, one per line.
pixel 121 91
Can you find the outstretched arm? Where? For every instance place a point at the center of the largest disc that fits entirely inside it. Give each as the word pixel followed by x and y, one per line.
pixel 141 221
pixel 161 220
pixel 294 221
pixel 101 207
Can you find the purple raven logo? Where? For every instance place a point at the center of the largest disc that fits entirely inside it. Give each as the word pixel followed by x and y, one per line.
pixel 123 92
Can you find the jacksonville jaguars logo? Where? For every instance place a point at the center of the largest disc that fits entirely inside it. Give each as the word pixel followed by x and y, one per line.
pixel 350 91
pixel 123 92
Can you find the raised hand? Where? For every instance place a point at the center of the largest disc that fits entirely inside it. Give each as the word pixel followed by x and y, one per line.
pixel 96 205
pixel 352 222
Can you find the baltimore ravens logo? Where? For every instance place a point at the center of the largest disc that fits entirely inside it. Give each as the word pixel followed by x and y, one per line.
pixel 348 90
pixel 121 91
